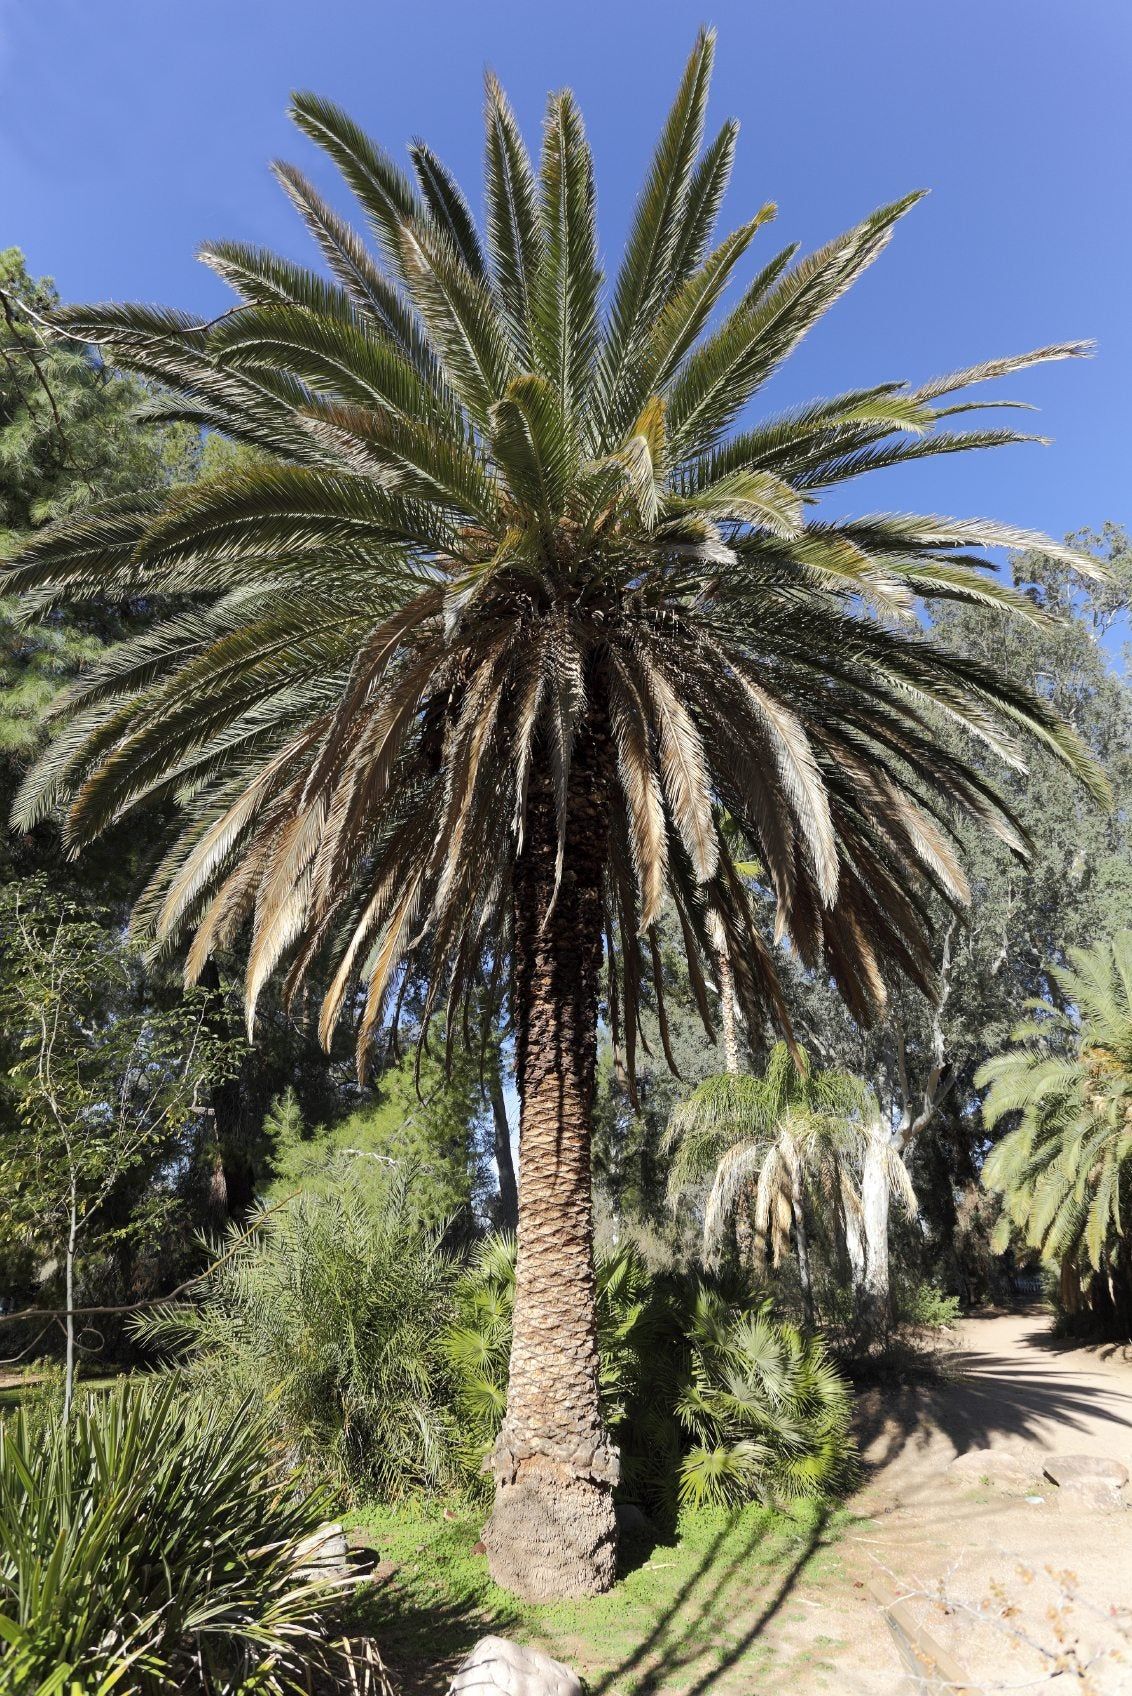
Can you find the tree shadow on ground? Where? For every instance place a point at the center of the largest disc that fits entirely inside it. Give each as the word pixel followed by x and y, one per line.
pixel 706 1626
pixel 702 1613
pixel 987 1397
pixel 423 1642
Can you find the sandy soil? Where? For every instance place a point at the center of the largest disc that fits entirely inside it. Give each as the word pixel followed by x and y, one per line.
pixel 1026 1592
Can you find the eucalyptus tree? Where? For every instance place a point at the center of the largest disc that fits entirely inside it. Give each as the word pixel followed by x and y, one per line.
pixel 516 607
pixel 1064 1171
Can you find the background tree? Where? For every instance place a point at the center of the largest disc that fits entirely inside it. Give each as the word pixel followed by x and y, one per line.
pixel 100 1089
pixel 1064 1171
pixel 1023 916
pixel 473 669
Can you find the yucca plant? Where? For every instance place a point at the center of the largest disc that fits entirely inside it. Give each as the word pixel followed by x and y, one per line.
pixel 152 1543
pixel 516 605
pixel 1064 1171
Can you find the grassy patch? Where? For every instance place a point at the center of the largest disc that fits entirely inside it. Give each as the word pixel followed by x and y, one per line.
pixel 688 1613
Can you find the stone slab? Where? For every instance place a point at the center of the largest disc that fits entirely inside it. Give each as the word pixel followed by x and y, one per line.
pixel 498 1667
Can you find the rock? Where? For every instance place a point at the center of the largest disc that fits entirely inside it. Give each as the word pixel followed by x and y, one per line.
pixel 1094 1494
pixel 1088 1481
pixel 634 1521
pixel 511 1669
pixel 324 1556
pixel 997 1467
pixel 1075 1469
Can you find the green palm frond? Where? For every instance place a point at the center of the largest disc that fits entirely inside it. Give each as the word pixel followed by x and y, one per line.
pixel 1064 1169
pixel 492 518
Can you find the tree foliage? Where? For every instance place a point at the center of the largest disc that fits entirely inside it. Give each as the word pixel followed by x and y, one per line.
pixel 497 514
pixel 1064 1171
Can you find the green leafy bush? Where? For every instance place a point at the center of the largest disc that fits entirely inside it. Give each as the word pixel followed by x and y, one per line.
pixel 711 1400
pixel 766 1412
pixel 330 1314
pixel 152 1541
pixel 923 1305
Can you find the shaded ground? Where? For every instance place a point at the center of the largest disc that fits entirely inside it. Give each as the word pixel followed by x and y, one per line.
pixel 693 1614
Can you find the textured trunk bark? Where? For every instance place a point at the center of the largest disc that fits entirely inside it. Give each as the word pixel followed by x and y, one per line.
pixel 552 1531
pixel 875 1202
pixel 231 1189
pixel 728 1023
pixel 504 1165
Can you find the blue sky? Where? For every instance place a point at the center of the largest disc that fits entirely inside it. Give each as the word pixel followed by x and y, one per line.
pixel 130 130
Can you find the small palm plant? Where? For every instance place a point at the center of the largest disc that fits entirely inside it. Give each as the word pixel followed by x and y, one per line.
pixel 514 603
pixel 1065 1170
pixel 329 1313
pixel 767 1413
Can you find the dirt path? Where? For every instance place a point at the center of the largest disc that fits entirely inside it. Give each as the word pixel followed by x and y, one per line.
pixel 1026 1577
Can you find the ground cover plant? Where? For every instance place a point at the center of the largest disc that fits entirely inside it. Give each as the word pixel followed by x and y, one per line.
pixel 688 1606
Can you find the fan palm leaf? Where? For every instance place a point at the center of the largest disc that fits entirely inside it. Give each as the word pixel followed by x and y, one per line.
pixel 1064 1169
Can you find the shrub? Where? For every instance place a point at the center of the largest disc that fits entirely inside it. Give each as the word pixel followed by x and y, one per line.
pixel 923 1306
pixel 331 1314
pixel 767 1413
pixel 151 1541
pixel 709 1397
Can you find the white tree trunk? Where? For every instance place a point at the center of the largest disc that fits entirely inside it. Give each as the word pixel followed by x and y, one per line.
pixel 802 1245
pixel 875 1206
pixel 855 1250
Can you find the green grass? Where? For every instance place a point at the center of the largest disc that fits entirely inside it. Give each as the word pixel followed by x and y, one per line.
pixel 688 1614
pixel 18 1389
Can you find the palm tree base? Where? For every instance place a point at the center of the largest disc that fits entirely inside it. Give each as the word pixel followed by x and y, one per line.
pixel 552 1534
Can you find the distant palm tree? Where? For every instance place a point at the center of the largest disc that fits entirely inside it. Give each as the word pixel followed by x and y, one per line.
pixel 1065 1171
pixel 773 1146
pixel 459 674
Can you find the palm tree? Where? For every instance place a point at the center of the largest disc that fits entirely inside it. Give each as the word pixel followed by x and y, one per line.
pixel 776 1146
pixel 1065 1170
pixel 458 674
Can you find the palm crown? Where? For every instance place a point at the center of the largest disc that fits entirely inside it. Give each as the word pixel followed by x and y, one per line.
pixel 1065 1169
pixel 492 516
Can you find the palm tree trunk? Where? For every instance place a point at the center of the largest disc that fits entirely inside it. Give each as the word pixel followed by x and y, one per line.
pixel 726 994
pixel 552 1531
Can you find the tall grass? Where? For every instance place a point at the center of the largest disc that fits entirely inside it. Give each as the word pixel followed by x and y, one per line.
pixel 331 1315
